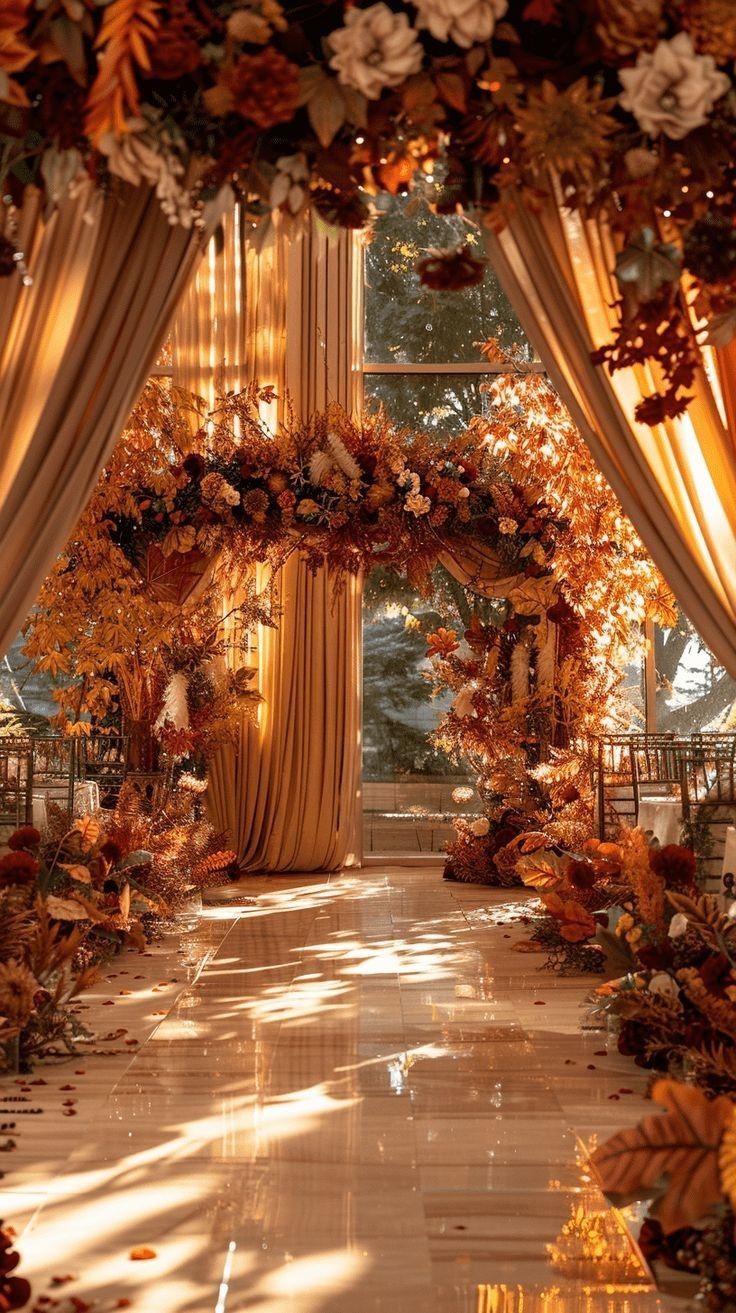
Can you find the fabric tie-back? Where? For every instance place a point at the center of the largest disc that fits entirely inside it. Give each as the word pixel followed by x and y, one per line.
pixel 677 481
pixel 75 350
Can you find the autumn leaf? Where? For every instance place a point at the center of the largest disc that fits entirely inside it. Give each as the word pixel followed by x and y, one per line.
pixel 442 642
pixel 576 924
pixel 541 870
pixel 533 596
pixel 326 110
pixel 142 1253
pixel 15 52
pixel 128 29
pixel 180 538
pixel 65 909
pixel 453 90
pixel 662 608
pixel 89 831
pixel 672 1156
pixel 76 872
pixel 727 1162
pixel 647 265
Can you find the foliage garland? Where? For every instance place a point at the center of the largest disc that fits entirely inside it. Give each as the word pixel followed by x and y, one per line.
pixel 621 112
pixel 176 507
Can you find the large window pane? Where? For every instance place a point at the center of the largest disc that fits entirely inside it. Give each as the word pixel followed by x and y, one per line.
pixel 694 693
pixel 408 323
pixel 408 783
pixel 439 404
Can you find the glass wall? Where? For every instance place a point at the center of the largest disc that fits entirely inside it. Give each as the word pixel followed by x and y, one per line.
pixel 424 364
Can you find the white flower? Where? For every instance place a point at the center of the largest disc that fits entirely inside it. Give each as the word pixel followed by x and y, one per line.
pixel 140 156
pixel 678 925
pixel 507 525
pixel 288 189
pixel 463 702
pixel 672 89
pixel 408 479
pixel 375 49
pixel 480 827
pixel 463 21
pixel 462 793
pixel 464 493
pixel 60 168
pixel 417 504
pixel 663 984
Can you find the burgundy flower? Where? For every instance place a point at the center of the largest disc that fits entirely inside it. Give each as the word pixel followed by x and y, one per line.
pixel 580 874
pixel 174 53
pixel 675 864
pixel 27 836
pixel 194 465
pixel 18 868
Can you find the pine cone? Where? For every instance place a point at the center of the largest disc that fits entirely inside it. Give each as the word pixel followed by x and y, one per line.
pixel 625 29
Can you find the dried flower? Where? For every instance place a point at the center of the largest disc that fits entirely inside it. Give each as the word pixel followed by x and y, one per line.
pixel 416 504
pixel 442 642
pixel 307 507
pixel 18 987
pixel 674 864
pixel 18 868
pixel 712 27
pixel 480 827
pixel 568 130
pixel 451 269
pixel 466 22
pixel 672 89
pixel 174 53
pixel 218 493
pixel 626 28
pixel 27 836
pixel 507 526
pixel 264 87
pixel 376 48
pixel 255 504
pixel 289 188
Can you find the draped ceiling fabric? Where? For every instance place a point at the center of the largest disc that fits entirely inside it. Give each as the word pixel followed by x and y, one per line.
pixel 676 482
pixel 75 350
pixel 287 792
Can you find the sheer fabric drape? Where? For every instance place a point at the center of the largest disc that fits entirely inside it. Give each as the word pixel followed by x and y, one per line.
pixel 75 350
pixel 286 792
pixel 677 482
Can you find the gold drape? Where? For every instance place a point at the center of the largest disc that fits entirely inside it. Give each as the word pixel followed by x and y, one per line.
pixel 75 350
pixel 677 481
pixel 287 792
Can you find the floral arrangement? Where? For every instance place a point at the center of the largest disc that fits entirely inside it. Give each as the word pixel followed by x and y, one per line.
pixel 534 679
pixel 683 1162
pixel 130 618
pixel 621 112
pixel 71 898
pixel 130 625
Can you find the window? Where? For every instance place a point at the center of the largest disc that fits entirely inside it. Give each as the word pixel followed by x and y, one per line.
pixel 423 363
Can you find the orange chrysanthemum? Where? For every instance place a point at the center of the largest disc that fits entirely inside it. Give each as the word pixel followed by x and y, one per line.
pixel 567 130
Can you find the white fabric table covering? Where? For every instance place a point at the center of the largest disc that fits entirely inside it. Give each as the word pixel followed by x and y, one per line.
pixel 663 817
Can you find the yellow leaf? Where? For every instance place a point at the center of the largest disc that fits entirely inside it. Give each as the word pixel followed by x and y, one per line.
pixel 77 872
pixel 541 870
pixel 89 830
pixel 662 608
pixel 326 109
pixel 180 538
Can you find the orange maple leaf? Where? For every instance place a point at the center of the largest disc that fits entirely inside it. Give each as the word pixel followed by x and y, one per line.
pixel 128 28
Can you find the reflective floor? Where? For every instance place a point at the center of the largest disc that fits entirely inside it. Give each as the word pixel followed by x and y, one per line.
pixel 365 1102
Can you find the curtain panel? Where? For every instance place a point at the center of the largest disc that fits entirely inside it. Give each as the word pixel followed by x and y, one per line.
pixel 287 791
pixel 75 350
pixel 677 481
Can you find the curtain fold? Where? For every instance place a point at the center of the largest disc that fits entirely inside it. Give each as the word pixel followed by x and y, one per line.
pixel 677 481
pixel 287 791
pixel 75 350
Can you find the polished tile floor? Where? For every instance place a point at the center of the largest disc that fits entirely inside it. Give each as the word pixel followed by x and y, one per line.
pixel 365 1102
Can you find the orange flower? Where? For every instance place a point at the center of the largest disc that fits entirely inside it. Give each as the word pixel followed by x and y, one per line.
pixel 568 129
pixel 442 643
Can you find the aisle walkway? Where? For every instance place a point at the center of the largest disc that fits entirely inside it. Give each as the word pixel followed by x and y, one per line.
pixel 366 1103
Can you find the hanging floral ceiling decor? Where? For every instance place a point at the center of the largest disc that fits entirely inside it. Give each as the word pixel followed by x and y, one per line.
pixel 623 112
